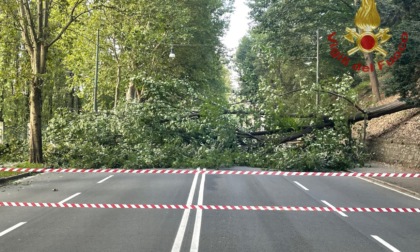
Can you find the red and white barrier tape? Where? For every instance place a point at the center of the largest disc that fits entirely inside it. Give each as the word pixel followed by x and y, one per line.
pixel 213 207
pixel 217 172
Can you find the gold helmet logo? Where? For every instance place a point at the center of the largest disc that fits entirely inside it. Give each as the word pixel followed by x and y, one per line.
pixel 367 20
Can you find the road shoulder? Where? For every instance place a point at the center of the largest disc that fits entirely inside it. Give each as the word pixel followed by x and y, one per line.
pixel 409 186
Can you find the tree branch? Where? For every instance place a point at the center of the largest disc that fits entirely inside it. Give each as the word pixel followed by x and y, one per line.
pixel 69 22
pixel 370 113
pixel 343 97
pixel 29 21
pixel 24 25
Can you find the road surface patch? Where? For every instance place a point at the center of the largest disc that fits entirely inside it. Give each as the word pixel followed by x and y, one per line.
pixel 214 207
pixel 339 212
pixel 69 198
pixel 105 179
pixel 12 228
pixel 301 186
pixel 217 172
pixel 386 244
pixel 176 247
pixel 195 241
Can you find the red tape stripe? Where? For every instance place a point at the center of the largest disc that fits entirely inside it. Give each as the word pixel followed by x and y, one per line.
pixel 217 172
pixel 213 207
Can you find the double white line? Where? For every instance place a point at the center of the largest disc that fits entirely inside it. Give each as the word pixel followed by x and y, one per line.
pixel 197 224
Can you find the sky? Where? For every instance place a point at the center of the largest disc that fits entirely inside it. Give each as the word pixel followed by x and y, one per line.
pixel 238 25
pixel 238 28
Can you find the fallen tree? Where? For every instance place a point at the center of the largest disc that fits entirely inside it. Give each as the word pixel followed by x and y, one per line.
pixel 360 116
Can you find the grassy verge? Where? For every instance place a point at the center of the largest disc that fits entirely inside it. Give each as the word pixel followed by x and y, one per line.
pixel 8 174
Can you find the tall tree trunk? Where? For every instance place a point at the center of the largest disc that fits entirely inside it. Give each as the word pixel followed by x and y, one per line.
pixel 131 92
pixel 39 60
pixel 117 86
pixel 33 17
pixel 35 133
pixel 373 77
pixel 71 102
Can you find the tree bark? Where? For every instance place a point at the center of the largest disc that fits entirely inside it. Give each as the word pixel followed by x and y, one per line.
pixel 39 60
pixel 131 92
pixel 35 132
pixel 117 87
pixel 33 19
pixel 373 77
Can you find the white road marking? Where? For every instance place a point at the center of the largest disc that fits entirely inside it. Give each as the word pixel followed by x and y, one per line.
pixel 195 242
pixel 12 228
pixel 386 244
pixel 339 212
pixel 69 198
pixel 183 225
pixel 389 188
pixel 299 184
pixel 105 179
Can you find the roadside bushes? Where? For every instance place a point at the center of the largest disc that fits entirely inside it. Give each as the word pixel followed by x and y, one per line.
pixel 167 130
pixel 136 137
pixel 13 151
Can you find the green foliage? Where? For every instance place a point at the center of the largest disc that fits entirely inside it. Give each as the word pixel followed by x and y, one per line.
pixel 29 165
pixel 405 78
pixel 161 131
pixel 8 174
pixel 13 151
pixel 137 137
pixel 181 116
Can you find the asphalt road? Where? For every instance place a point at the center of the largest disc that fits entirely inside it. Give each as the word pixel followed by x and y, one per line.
pixel 63 229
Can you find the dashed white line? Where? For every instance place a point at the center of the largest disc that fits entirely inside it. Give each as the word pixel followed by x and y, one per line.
pixel 195 242
pixel 183 225
pixel 12 228
pixel 69 198
pixel 105 179
pixel 386 244
pixel 339 212
pixel 300 185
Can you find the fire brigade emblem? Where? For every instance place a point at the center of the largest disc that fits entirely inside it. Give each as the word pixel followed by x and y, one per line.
pixel 367 21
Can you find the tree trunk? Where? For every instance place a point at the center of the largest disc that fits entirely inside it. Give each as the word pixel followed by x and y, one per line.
pixel 35 133
pixel 71 102
pixel 117 86
pixel 33 17
pixel 39 60
pixel 370 114
pixel 131 92
pixel 373 77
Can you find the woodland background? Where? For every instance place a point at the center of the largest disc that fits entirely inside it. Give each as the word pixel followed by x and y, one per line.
pixel 150 110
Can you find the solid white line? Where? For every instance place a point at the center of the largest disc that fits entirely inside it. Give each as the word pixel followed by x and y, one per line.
pixel 386 244
pixel 389 188
pixel 195 242
pixel 12 228
pixel 176 247
pixel 299 184
pixel 103 180
pixel 69 198
pixel 339 212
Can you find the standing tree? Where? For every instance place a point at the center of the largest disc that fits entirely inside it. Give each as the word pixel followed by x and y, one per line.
pixel 368 19
pixel 38 36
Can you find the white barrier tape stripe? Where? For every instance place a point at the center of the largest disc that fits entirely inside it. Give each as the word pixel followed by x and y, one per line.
pixel 217 172
pixel 211 207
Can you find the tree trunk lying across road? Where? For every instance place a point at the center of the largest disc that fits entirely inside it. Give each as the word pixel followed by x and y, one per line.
pixel 379 111
pixel 369 114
